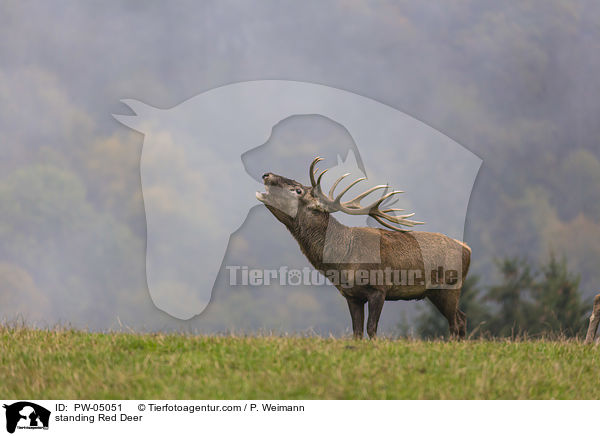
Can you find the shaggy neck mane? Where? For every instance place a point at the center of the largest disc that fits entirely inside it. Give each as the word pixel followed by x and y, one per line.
pixel 310 229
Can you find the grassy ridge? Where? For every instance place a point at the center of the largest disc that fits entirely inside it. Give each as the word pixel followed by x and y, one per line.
pixel 71 364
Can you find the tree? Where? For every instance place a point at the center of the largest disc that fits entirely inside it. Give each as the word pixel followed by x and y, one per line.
pixel 559 308
pixel 510 296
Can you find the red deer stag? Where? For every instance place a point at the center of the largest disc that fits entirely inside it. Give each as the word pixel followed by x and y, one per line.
pixel 339 251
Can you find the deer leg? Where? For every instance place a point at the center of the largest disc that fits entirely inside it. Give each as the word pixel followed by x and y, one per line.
pixel 594 320
pixel 446 301
pixel 376 301
pixel 357 312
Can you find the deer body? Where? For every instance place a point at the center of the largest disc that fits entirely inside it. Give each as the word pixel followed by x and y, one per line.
pixel 307 215
pixel 398 251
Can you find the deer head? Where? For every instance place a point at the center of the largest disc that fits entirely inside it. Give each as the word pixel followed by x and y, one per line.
pixel 285 198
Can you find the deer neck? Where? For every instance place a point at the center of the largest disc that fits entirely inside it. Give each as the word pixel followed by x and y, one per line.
pixel 313 230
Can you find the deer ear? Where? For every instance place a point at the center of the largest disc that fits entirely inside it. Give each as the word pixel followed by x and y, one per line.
pixel 143 112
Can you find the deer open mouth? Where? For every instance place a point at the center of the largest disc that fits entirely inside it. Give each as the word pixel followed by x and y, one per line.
pixel 262 196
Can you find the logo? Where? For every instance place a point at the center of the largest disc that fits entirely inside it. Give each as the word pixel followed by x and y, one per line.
pixel 203 160
pixel 26 415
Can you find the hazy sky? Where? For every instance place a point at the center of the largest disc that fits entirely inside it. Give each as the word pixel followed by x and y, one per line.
pixel 470 70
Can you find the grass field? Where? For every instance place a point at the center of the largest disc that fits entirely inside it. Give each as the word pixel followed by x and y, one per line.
pixel 42 364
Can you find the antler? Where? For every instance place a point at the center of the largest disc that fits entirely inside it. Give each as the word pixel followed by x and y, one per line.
pixel 353 207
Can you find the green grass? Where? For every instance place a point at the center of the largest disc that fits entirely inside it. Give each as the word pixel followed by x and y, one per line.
pixel 66 364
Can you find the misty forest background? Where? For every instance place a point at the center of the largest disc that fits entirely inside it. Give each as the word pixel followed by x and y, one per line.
pixel 514 82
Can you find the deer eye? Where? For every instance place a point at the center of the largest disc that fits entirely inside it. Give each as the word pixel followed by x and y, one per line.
pixel 298 191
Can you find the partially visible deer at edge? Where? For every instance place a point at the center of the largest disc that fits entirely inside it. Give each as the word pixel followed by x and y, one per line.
pixel 594 320
pixel 306 213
